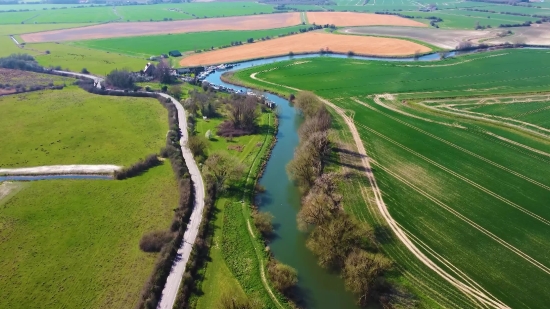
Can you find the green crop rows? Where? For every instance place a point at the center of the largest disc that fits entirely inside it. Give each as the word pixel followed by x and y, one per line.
pixel 470 194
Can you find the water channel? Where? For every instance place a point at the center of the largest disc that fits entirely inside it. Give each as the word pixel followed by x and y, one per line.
pixel 318 287
pixel 49 177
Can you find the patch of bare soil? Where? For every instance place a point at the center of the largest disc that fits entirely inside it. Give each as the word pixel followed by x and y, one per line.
pixel 536 34
pixel 112 30
pixel 344 19
pixel 8 187
pixel 444 38
pixel 308 42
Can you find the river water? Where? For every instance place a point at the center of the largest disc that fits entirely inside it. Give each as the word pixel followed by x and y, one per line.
pixel 46 177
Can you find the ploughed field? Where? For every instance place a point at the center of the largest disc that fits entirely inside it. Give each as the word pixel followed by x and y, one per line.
pixel 256 22
pixel 342 19
pixel 308 43
pixel 472 195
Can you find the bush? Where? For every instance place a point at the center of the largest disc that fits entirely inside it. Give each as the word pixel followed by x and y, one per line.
pixel 85 71
pixel 138 168
pixel 20 62
pixel 282 276
pixel 262 220
pixel 121 79
pixel 154 241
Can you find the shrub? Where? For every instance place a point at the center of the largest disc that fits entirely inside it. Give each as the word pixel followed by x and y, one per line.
pixel 121 79
pixel 138 168
pixel 262 220
pixel 282 276
pixel 154 241
pixel 85 71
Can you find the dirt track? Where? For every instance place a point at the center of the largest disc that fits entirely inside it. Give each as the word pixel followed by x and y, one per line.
pixel 61 169
pixel 308 42
pixel 112 30
pixel 343 19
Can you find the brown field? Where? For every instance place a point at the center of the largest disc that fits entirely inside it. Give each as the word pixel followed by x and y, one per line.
pixel 344 19
pixel 308 42
pixel 111 30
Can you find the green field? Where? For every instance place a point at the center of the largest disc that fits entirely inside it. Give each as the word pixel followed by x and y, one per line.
pixel 71 126
pixel 498 72
pixel 74 243
pixel 147 46
pixel 234 259
pixel 470 194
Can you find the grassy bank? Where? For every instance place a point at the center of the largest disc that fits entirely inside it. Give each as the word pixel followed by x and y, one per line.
pixel 71 126
pixel 74 243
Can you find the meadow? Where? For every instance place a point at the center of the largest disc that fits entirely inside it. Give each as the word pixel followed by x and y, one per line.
pixel 146 46
pixel 470 194
pixel 71 126
pixel 55 16
pixel 75 243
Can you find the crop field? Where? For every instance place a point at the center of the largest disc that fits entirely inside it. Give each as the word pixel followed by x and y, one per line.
pixel 146 46
pixel 191 10
pixel 257 22
pixel 71 126
pixel 496 72
pixel 470 194
pixel 74 243
pixel 341 19
pixel 308 43
pixel 529 113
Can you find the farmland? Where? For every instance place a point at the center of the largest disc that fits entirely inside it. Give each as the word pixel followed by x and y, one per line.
pixel 446 179
pixel 358 19
pixel 71 126
pixel 257 22
pixel 74 243
pixel 309 42
pixel 146 46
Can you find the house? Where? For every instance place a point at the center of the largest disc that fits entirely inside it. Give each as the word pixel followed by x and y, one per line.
pixel 149 69
pixel 174 53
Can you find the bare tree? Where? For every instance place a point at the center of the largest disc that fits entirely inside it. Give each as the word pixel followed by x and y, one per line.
pixel 283 276
pixel 162 72
pixel 361 271
pixel 307 102
pixel 220 168
pixel 321 203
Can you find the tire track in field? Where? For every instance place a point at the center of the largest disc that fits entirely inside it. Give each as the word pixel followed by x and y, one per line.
pixel 472 183
pixel 488 300
pixel 458 147
pixel 465 219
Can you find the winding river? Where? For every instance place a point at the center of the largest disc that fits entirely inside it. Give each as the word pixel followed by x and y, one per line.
pixel 318 288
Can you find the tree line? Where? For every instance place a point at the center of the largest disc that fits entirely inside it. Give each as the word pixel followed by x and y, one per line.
pixel 340 242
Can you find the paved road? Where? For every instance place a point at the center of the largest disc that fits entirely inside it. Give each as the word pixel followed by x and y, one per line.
pixel 178 268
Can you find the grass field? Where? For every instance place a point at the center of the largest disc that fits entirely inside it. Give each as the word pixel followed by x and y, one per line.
pixel 470 194
pixel 71 126
pixel 74 243
pixel 146 46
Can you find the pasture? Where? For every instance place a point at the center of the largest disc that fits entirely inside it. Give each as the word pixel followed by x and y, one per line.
pixel 470 194
pixel 311 42
pixel 257 22
pixel 74 243
pixel 145 46
pixel 71 126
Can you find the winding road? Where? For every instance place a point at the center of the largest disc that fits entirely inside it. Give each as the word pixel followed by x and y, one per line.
pixel 173 281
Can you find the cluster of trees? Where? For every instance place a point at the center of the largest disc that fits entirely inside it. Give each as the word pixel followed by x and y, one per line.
pixel 23 62
pixel 243 116
pixel 122 79
pixel 340 242
pixel 524 24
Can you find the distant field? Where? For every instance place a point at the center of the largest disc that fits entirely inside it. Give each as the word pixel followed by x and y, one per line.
pixel 342 19
pixel 74 243
pixel 503 71
pixel 192 10
pixel 73 15
pixel 71 126
pixel 146 46
pixel 29 28
pixel 75 58
pixel 470 194
pixel 257 22
pixel 308 42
